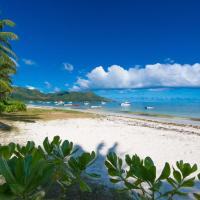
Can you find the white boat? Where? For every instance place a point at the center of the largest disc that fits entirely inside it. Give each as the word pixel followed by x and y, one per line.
pixel 68 104
pixel 125 104
pixel 59 103
pixel 103 102
pixel 86 103
pixel 95 107
pixel 149 107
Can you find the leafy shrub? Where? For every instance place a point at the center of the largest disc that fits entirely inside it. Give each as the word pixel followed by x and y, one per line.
pixel 15 106
pixel 141 177
pixel 30 171
pixel 2 107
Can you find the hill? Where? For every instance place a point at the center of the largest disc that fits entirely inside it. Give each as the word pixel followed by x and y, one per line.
pixel 25 94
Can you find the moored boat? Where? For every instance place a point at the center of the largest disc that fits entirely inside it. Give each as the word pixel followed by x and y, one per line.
pixel 125 104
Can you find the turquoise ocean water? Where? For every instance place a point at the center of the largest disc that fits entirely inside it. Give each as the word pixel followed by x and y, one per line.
pixel 170 101
pixel 183 102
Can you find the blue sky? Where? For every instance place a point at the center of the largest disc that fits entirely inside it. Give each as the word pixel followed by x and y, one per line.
pixel 71 44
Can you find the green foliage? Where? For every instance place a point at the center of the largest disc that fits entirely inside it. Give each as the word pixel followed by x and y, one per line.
pixel 141 177
pixel 7 56
pixel 30 171
pixel 68 169
pixel 15 106
pixel 12 106
pixel 2 107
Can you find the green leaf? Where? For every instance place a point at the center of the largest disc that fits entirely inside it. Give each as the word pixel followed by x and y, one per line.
pixel 198 176
pixel 177 176
pixel 128 160
pixel 56 140
pixel 172 182
pixel 181 193
pixel 188 183
pixel 6 172
pixel 197 196
pixel 165 172
pixel 112 180
pixel 130 186
pixel 48 148
pixel 148 162
pixel 94 175
pixel 113 172
pixel 84 186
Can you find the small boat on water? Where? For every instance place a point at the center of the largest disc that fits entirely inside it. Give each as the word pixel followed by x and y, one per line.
pixel 68 104
pixel 59 103
pixel 149 107
pixel 103 102
pixel 125 104
pixel 86 103
pixel 95 107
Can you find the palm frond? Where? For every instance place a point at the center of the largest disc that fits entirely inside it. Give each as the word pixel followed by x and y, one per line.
pixel 8 51
pixel 6 22
pixel 8 36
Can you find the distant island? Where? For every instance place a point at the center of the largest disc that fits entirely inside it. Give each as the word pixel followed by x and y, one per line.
pixel 25 94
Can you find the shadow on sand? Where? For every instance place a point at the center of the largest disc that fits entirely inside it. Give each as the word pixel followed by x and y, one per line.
pixel 31 118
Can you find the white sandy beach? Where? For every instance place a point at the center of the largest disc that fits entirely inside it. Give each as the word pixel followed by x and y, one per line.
pixel 161 141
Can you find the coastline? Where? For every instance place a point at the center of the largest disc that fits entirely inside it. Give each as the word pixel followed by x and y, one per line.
pixel 160 118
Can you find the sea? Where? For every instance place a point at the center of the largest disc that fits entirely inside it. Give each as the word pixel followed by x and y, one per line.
pixel 181 102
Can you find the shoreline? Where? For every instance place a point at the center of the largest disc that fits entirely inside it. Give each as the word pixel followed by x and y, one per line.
pixel 160 118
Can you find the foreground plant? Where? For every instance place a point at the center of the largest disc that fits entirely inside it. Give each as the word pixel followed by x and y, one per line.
pixel 28 172
pixel 68 168
pixel 141 177
pixel 24 177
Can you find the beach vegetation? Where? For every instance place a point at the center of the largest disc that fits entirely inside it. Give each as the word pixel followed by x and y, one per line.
pixel 11 106
pixel 7 68
pixel 32 172
pixel 7 58
pixel 141 179
pixel 28 172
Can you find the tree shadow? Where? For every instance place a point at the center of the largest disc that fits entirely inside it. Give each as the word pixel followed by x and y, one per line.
pixel 5 127
pixel 101 187
pixel 99 168
pixel 30 118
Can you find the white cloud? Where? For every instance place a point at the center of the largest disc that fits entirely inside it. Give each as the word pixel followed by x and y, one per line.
pixel 152 75
pixel 47 84
pixel 30 87
pixel 169 60
pixel 75 88
pixel 68 67
pixel 28 61
pixel 56 89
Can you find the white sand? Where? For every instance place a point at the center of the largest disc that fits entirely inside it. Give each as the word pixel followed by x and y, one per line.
pixel 162 142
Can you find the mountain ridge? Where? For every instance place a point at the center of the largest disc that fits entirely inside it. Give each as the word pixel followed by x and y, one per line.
pixel 25 94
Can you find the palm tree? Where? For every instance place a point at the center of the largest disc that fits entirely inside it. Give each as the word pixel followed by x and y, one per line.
pixel 7 58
